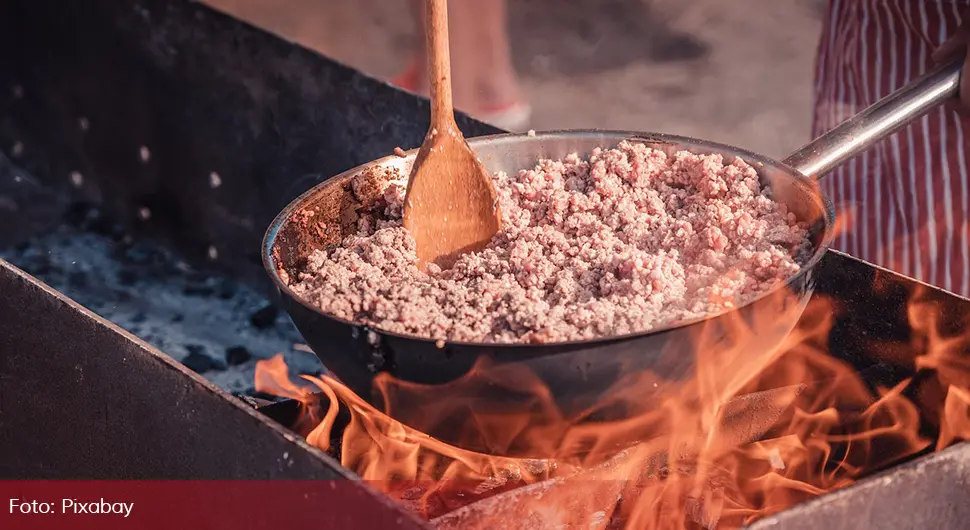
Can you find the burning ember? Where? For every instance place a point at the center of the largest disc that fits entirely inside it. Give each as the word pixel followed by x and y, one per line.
pixel 721 448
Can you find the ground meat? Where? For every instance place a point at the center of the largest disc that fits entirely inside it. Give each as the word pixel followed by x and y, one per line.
pixel 627 240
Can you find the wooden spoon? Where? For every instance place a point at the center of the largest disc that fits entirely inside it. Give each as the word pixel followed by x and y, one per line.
pixel 451 207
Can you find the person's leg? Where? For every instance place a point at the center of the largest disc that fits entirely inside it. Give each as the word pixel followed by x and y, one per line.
pixel 414 77
pixel 481 37
pixel 483 78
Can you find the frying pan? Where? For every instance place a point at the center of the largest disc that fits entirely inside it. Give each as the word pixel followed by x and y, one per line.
pixel 730 345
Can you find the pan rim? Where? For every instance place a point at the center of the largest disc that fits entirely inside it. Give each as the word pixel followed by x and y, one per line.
pixel 270 236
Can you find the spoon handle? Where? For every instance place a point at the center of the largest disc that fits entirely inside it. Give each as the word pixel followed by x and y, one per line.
pixel 439 64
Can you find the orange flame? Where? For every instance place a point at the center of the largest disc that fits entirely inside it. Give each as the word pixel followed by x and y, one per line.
pixel 759 426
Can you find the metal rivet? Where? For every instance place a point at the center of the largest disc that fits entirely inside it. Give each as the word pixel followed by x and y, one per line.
pixel 17 178
pixel 145 154
pixel 77 179
pixel 17 149
pixel 213 253
pixel 83 123
pixel 144 213
pixel 215 180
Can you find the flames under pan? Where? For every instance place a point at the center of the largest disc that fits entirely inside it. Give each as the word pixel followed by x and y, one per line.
pixel 872 309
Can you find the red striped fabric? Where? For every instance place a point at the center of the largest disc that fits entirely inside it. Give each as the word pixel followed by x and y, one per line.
pixel 905 202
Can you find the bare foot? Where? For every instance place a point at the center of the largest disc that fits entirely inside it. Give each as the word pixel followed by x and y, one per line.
pixel 490 97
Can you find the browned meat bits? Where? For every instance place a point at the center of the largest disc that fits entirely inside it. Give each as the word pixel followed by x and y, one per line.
pixel 627 240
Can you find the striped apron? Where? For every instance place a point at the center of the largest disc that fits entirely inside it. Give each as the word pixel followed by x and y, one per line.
pixel 903 204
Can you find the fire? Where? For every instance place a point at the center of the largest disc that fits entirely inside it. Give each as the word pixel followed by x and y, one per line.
pixel 745 436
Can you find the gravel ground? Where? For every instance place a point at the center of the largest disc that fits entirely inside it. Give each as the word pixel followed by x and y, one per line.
pixel 735 72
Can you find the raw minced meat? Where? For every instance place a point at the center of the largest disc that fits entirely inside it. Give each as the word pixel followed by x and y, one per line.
pixel 625 241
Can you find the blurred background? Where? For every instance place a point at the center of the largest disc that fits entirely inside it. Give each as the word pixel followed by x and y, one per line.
pixel 735 72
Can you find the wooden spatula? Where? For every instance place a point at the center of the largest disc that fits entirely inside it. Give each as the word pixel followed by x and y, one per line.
pixel 451 207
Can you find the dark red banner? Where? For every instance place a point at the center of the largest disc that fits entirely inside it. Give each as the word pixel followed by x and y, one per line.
pixel 168 505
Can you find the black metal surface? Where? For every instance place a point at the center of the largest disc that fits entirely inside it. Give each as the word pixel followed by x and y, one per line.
pixel 930 492
pixel 81 399
pixel 84 87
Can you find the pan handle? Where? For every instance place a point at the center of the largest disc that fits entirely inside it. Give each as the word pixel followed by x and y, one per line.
pixel 883 118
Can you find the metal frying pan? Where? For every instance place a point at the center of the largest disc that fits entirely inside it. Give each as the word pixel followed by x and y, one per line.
pixel 578 373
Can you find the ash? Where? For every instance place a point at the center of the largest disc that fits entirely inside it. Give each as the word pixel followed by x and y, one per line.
pixel 212 324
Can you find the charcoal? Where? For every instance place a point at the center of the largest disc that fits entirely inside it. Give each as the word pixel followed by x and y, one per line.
pixel 227 290
pixel 265 318
pixel 127 276
pixel 77 213
pixel 196 289
pixel 199 362
pixel 77 278
pixel 138 284
pixel 236 355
